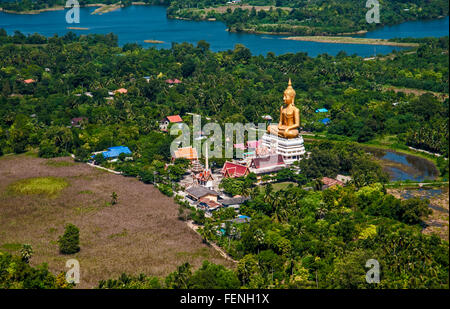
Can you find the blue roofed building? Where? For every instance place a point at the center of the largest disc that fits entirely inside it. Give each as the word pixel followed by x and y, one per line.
pixel 114 152
pixel 325 120
pixel 321 110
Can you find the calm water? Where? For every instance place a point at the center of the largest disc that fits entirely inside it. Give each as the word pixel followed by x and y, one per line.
pixel 402 166
pixel 138 23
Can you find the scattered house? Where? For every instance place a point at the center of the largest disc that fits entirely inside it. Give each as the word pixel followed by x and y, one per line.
pixel 166 121
pixel 121 91
pixel 197 192
pixel 239 146
pixel 321 110
pixel 173 81
pixel 269 164
pixel 77 122
pixel 325 121
pixel 233 170
pixel 110 93
pixel 234 202
pixel 208 205
pixel 343 178
pixel 147 78
pixel 29 81
pixel 186 153
pixel 330 182
pixel 253 144
pixel 47 70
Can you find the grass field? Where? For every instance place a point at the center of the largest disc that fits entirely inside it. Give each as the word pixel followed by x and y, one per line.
pixel 277 186
pixel 140 234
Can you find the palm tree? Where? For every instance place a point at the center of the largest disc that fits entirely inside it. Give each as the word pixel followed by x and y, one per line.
pixel 26 252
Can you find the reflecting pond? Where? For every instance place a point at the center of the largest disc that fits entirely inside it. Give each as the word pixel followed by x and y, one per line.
pixel 401 166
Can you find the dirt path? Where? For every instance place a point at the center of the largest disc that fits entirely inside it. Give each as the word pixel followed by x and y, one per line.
pixel 195 227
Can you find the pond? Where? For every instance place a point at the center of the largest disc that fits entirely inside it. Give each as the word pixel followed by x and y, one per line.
pixel 137 23
pixel 401 166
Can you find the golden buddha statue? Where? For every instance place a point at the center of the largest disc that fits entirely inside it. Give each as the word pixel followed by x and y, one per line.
pixel 289 116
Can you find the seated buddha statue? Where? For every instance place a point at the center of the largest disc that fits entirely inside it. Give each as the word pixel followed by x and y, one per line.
pixel 289 116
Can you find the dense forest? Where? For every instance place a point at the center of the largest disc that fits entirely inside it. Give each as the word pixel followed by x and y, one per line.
pixel 303 17
pixel 231 86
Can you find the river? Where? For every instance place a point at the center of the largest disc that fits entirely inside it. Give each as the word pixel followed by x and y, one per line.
pixel 135 24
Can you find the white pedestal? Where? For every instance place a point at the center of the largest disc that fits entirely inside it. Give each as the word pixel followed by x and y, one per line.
pixel 291 149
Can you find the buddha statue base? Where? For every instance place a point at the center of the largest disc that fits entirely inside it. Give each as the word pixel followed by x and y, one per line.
pixel 290 148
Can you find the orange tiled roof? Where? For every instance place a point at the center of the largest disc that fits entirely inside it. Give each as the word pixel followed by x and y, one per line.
pixel 121 90
pixel 29 81
pixel 187 153
pixel 330 182
pixel 175 118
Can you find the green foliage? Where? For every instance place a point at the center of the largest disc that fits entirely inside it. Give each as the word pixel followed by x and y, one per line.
pixel 114 198
pixel 69 242
pixel 308 17
pixel 212 276
pixel 26 252
pixel 16 273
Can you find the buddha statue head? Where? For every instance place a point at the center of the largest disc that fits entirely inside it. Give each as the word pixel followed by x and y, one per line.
pixel 289 94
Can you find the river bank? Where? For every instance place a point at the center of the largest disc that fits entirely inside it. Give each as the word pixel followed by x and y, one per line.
pixel 33 12
pixel 349 40
pixel 106 8
pixel 102 8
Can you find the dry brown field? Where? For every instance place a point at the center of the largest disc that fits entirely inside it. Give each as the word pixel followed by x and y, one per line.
pixel 140 234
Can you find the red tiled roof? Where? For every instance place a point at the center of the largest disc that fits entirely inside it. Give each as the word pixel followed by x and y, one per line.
pixel 231 169
pixel 174 81
pixel 204 176
pixel 75 121
pixel 253 144
pixel 174 118
pixel 269 161
pixel 329 182
pixel 29 81
pixel 210 203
